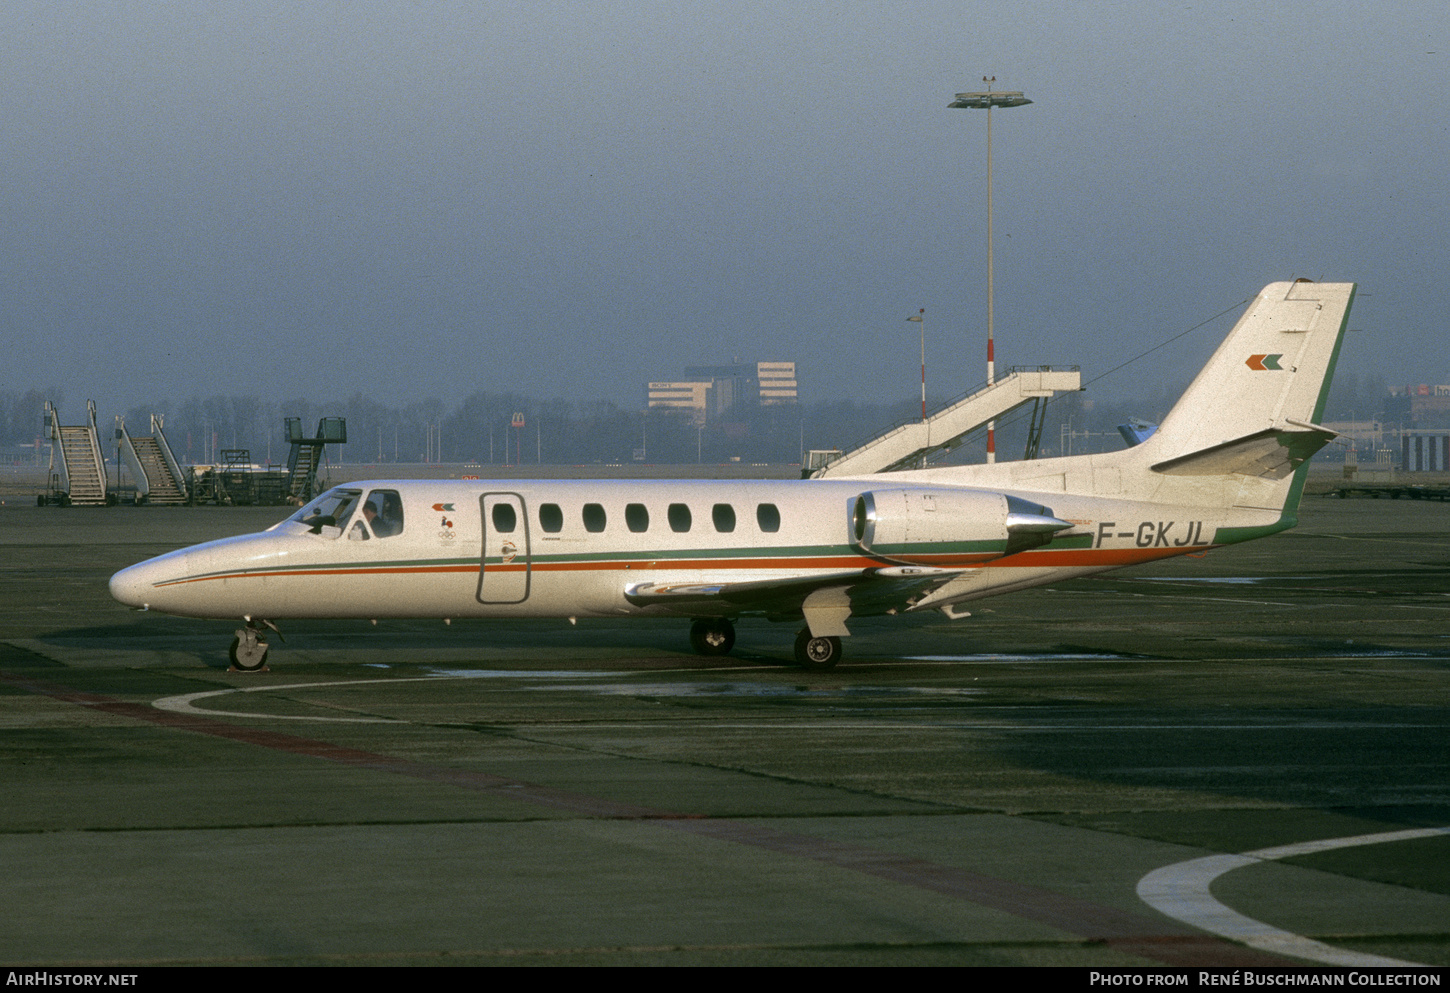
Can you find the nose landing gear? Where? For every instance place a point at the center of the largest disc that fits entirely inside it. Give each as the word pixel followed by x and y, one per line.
pixel 249 647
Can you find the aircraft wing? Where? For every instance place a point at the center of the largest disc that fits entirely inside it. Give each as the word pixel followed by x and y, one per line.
pixel 867 591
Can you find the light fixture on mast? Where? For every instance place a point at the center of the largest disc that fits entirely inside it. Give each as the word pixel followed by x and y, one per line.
pixel 986 101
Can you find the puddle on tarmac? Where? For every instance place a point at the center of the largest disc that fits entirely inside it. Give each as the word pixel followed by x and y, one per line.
pixel 761 690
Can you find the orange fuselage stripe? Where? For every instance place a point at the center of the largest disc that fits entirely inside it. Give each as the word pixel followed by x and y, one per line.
pixel 1065 558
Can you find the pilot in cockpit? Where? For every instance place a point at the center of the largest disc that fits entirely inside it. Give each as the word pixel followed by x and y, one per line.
pixel 388 521
pixel 360 530
pixel 383 514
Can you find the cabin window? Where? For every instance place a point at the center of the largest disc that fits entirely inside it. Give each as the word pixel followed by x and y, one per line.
pixel 679 515
pixel 551 518
pixel 504 518
pixel 767 515
pixel 384 513
pixel 636 517
pixel 724 517
pixel 593 517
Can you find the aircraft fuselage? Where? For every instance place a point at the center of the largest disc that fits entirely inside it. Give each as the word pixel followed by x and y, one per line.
pixel 517 548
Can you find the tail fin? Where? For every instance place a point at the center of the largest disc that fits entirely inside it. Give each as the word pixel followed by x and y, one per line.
pixel 1252 415
pixel 1240 436
pixel 1255 407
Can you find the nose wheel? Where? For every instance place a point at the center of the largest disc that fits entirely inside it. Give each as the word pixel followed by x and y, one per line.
pixel 249 647
pixel 817 653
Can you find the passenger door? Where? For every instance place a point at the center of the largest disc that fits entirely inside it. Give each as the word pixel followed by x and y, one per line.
pixel 504 570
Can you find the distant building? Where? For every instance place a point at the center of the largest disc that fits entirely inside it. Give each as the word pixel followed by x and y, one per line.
pixel 691 396
pixel 712 391
pixel 1430 406
pixel 1425 451
pixel 777 382
pixel 1419 406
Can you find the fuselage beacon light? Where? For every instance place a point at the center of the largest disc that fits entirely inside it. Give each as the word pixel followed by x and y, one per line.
pixel 1226 465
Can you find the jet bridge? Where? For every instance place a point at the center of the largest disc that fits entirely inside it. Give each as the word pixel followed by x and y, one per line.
pixel 913 444
pixel 158 476
pixel 77 472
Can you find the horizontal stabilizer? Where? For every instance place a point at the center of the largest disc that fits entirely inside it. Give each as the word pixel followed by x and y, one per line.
pixel 1269 454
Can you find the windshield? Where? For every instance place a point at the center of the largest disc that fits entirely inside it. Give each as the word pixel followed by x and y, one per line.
pixel 332 509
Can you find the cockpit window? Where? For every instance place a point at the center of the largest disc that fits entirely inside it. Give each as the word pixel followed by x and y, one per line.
pixel 384 512
pixel 332 509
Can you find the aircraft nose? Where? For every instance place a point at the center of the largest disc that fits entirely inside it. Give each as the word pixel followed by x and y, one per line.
pixel 136 586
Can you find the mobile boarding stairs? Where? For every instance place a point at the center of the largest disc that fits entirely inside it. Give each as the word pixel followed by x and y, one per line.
pixel 915 443
pixel 158 476
pixel 77 473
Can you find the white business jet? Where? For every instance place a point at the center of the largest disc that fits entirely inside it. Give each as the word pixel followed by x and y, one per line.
pixel 1226 465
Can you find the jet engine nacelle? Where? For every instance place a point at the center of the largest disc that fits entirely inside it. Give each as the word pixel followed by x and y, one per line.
pixel 924 526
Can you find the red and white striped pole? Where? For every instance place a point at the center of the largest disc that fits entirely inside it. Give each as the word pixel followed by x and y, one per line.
pixel 991 358
pixel 991 372
pixel 919 318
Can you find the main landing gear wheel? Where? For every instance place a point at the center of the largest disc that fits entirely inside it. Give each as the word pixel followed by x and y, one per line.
pixel 712 636
pixel 249 651
pixel 817 653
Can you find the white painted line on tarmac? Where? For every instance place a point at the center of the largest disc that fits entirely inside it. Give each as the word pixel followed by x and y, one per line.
pixel 1181 891
pixel 185 703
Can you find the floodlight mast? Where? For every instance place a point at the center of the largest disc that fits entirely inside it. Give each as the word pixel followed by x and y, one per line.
pixel 986 101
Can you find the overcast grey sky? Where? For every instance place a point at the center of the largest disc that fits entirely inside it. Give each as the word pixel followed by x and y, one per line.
pixel 570 198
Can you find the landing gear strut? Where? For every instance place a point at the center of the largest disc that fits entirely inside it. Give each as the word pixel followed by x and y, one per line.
pixel 249 647
pixel 817 653
pixel 712 636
